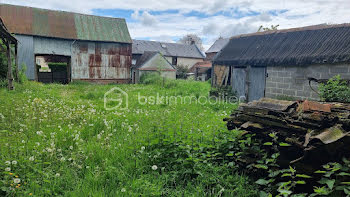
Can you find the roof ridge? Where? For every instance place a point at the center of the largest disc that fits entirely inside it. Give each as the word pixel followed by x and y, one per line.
pixel 295 29
pixel 62 11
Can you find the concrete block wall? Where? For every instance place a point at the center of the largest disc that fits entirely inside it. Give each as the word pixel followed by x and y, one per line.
pixel 292 81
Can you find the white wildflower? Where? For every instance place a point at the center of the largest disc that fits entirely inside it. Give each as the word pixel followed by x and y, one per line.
pixel 37 143
pixel 71 147
pixel 123 190
pixel 57 174
pixel 23 141
pixel 143 148
pixel 7 169
pixel 14 162
pixel 87 167
pixel 8 162
pixel 16 180
pixel 31 158
pixel 39 132
pixel 63 159
pixel 49 150
pixel 154 167
pixel 98 136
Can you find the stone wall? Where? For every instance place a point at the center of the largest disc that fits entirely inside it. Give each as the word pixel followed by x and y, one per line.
pixel 292 81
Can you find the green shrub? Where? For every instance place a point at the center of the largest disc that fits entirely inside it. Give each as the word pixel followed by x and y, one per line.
pixel 181 71
pixel 57 66
pixel 151 78
pixel 335 90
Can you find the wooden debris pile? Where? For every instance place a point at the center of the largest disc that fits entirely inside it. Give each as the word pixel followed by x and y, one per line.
pixel 317 132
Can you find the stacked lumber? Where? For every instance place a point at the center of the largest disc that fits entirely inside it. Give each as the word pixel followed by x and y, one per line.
pixel 306 125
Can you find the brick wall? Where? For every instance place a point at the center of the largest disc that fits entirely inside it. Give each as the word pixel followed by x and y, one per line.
pixel 292 80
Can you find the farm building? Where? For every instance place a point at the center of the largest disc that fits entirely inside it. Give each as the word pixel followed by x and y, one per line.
pixel 176 54
pixel 216 48
pixel 93 48
pixel 281 63
pixel 201 70
pixel 152 62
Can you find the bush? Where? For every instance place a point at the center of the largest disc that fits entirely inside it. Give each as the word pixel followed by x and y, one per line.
pixel 57 66
pixel 335 90
pixel 181 71
pixel 151 78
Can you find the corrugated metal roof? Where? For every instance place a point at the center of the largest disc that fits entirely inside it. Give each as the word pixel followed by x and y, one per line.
pixel 167 49
pixel 218 45
pixel 60 24
pixel 300 46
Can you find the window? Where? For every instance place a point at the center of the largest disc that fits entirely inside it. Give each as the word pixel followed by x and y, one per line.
pixel 174 61
pixel 38 61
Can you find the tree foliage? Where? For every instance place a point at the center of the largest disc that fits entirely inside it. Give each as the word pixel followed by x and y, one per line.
pixel 192 39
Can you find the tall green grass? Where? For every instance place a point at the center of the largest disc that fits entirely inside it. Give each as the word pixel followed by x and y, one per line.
pixel 59 140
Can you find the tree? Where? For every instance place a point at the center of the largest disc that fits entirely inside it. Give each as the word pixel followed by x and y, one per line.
pixel 272 28
pixel 192 39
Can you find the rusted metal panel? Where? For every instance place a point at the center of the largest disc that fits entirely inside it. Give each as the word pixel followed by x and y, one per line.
pixel 17 19
pixel 103 61
pixel 59 24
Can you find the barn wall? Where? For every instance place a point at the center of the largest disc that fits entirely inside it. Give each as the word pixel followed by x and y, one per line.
pixel 97 61
pixel 26 54
pixel 52 46
pixel 293 81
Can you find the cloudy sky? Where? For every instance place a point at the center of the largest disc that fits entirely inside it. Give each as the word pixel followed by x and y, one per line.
pixel 169 20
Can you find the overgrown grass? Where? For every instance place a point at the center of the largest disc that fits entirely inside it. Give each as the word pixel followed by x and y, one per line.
pixel 59 140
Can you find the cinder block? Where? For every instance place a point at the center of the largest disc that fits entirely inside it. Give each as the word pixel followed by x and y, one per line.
pixel 283 85
pixel 339 69
pixel 277 90
pixel 289 92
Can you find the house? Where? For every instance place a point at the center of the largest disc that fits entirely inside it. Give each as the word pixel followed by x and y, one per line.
pixel 152 62
pixel 176 54
pixel 96 49
pixel 283 62
pixel 216 48
pixel 202 70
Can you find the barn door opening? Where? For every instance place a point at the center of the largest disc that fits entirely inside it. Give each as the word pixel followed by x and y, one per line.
pixel 53 68
pixel 249 82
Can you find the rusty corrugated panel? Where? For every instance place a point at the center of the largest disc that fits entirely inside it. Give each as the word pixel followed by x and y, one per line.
pixel 101 61
pixel 59 24
pixel 17 19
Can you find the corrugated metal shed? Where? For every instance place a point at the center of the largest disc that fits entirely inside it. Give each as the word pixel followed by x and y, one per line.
pixel 60 24
pixel 167 49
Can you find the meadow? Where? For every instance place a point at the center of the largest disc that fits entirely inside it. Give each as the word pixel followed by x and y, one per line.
pixel 59 140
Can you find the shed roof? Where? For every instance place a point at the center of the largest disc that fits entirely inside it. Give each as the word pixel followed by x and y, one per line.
pixel 218 45
pixel 5 35
pixel 299 46
pixel 167 49
pixel 149 56
pixel 60 24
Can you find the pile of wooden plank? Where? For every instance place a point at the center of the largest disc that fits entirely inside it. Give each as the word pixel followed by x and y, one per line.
pixel 312 129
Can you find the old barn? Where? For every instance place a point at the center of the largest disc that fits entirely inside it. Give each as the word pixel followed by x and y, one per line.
pixel 78 46
pixel 282 63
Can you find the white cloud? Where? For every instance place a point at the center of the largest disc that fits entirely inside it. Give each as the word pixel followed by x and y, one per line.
pixel 297 13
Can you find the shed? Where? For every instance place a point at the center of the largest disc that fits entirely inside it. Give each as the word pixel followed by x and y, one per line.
pixel 280 63
pixel 94 48
pixel 5 46
pixel 202 70
pixel 152 62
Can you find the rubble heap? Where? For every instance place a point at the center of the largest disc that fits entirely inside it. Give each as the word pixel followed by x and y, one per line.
pixel 317 132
